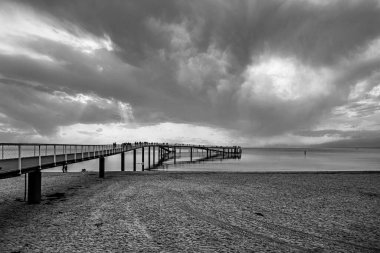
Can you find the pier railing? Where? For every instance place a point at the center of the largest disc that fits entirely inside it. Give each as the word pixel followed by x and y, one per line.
pixel 24 150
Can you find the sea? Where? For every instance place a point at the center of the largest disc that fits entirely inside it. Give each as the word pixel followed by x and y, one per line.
pixel 252 160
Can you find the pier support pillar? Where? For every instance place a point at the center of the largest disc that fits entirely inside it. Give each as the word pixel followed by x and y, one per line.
pixel 175 155
pixel 34 187
pixel 122 161
pixel 134 160
pixel 148 157
pixel 142 159
pixel 101 167
pixel 154 155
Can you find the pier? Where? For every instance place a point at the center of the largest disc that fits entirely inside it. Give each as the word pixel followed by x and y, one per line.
pixel 29 159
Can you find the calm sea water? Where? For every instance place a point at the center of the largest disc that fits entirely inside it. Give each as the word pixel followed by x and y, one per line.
pixel 255 159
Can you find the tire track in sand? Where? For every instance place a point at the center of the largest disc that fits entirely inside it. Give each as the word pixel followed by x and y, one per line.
pixel 301 235
pixel 235 229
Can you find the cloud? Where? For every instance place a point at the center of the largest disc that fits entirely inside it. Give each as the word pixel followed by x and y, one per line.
pixel 31 107
pixel 21 25
pixel 260 70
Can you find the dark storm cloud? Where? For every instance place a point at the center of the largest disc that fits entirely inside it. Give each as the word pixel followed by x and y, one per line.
pixel 39 109
pixel 246 65
pixel 318 32
pixel 123 21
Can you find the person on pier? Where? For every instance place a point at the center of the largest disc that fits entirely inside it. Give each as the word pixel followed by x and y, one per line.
pixel 64 168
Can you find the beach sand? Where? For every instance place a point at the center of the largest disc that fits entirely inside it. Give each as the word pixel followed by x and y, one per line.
pixel 193 212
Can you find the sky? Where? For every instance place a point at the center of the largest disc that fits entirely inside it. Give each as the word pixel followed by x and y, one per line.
pixel 243 72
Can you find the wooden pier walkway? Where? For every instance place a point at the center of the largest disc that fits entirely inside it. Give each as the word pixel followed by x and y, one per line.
pixel 30 158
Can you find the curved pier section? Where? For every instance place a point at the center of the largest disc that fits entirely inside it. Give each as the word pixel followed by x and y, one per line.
pixel 30 158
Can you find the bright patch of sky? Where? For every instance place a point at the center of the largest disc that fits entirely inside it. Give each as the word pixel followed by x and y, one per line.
pixel 20 24
pixel 163 132
pixel 283 79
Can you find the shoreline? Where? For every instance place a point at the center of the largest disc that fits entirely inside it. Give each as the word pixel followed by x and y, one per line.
pixel 227 172
pixel 194 211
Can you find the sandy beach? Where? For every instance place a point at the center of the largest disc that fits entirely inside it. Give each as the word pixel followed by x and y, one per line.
pixel 193 212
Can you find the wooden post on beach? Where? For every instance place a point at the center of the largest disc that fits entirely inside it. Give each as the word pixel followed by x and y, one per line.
pixel 149 157
pixel 142 159
pixel 34 187
pixel 134 160
pixel 191 154
pixel 122 161
pixel 101 167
